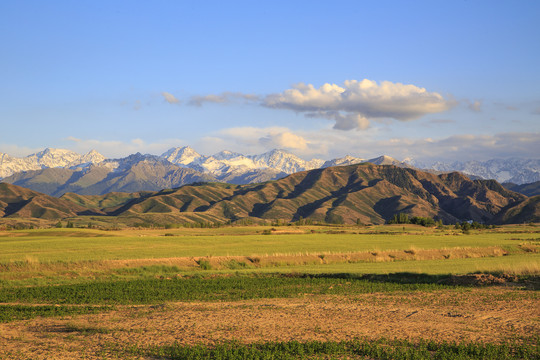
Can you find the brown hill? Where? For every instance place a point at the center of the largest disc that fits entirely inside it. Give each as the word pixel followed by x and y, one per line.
pixel 16 201
pixel 532 189
pixel 367 193
pixel 523 212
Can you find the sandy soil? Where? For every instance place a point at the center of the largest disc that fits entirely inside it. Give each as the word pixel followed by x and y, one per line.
pixel 482 314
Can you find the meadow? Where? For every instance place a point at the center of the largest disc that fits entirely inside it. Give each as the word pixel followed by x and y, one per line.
pixel 209 290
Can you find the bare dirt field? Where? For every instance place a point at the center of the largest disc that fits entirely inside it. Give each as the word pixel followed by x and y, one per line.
pixel 490 314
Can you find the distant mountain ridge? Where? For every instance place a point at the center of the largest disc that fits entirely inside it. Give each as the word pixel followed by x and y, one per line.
pixel 362 193
pixel 48 158
pixel 57 171
pixel 513 170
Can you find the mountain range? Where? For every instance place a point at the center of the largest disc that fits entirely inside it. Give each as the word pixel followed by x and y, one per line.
pixel 362 193
pixel 513 170
pixel 56 171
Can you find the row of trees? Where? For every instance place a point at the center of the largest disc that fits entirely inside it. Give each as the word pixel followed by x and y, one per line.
pixel 402 218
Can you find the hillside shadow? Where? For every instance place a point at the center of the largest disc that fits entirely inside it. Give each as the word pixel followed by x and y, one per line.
pixel 388 207
pixel 528 282
pixel 14 207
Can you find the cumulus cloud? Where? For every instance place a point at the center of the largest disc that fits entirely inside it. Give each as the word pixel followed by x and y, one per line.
pixel 223 98
pixel 354 103
pixel 170 98
pixel 286 140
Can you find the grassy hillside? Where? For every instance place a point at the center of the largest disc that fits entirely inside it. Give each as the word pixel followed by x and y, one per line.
pixel 363 193
pixel 19 202
pixel 523 212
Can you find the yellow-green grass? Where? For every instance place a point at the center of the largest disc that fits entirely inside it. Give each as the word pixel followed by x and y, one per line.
pixel 79 255
pixel 71 245
pixel 525 264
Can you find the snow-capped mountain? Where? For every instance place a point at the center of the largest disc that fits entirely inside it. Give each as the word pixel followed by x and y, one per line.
pixel 48 158
pixel 517 171
pixel 233 167
pixel 183 156
pixel 285 161
pixel 388 160
pixel 346 160
pixel 226 161
pixel 128 162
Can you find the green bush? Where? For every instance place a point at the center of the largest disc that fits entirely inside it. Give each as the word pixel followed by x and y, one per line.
pixel 204 264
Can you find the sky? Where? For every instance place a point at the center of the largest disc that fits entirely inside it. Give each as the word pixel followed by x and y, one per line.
pixel 421 80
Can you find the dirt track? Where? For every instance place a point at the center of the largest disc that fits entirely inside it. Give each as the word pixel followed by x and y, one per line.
pixel 485 314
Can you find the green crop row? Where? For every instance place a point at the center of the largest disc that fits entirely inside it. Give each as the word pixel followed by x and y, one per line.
pixel 239 287
pixel 23 312
pixel 354 349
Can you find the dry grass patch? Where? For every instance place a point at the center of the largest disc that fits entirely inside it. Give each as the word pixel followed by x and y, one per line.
pixel 33 268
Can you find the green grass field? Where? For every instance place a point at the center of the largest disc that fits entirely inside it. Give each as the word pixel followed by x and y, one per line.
pixel 67 274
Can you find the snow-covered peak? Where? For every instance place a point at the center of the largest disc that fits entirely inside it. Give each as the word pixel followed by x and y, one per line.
pixel 283 160
pixel 54 157
pixel 92 157
pixel 226 155
pixel 386 160
pixel 226 164
pixel 181 155
pixel 48 158
pixel 346 160
pixel 518 171
pixel 132 160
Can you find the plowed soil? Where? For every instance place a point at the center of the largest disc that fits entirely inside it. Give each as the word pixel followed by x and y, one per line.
pixel 492 315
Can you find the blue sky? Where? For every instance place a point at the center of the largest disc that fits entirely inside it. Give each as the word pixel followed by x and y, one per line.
pixel 453 80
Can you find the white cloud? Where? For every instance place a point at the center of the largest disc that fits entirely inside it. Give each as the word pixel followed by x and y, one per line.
pixel 352 105
pixel 253 140
pixel 285 140
pixel 347 121
pixel 223 98
pixel 170 98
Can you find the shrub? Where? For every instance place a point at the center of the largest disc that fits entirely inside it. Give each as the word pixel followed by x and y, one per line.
pixel 204 264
